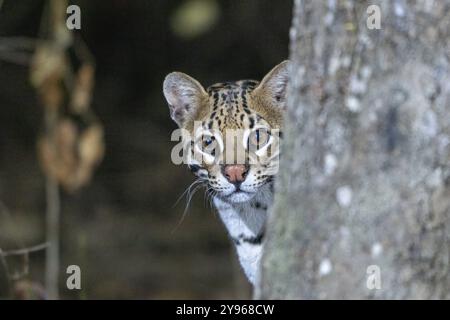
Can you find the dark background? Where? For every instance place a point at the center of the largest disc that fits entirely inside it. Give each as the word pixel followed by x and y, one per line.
pixel 120 228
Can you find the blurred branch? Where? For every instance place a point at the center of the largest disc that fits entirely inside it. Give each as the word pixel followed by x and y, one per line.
pixel 5 266
pixel 61 37
pixel 19 252
pixel 72 143
pixel 23 251
pixel 13 290
pixel 49 67
pixel 17 50
pixel 52 256
pixel 25 264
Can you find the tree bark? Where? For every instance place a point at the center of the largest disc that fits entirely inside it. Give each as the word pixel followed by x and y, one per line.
pixel 364 176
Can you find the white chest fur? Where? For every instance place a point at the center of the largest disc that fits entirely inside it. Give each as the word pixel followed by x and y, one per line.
pixel 245 223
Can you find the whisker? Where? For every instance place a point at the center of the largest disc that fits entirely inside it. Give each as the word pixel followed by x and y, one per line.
pixel 207 195
pixel 186 191
pixel 190 195
pixel 211 199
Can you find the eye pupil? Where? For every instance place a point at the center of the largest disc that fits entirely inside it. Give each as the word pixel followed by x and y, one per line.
pixel 259 138
pixel 207 141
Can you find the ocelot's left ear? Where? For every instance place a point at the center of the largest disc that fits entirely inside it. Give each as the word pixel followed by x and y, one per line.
pixel 185 96
pixel 273 87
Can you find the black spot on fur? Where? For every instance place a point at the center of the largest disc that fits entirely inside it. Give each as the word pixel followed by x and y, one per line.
pixel 252 240
pixel 252 123
pixel 236 241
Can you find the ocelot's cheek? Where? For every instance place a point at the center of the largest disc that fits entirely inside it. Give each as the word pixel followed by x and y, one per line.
pixel 198 171
pixel 255 178
pixel 266 159
pixel 214 174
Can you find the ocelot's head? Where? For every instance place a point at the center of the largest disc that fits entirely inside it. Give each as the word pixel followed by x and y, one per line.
pixel 231 130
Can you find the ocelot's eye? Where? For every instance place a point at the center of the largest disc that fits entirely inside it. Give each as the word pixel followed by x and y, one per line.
pixel 258 138
pixel 209 145
pixel 207 141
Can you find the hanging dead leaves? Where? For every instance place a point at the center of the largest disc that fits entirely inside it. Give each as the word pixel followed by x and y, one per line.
pixel 72 144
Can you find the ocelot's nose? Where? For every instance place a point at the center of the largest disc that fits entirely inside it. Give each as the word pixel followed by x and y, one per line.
pixel 235 173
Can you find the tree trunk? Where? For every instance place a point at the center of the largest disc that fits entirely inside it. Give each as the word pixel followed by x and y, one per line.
pixel 363 196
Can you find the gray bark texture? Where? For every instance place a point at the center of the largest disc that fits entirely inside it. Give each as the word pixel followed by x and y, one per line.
pixel 365 176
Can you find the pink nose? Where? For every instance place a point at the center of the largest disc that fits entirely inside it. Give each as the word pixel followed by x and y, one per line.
pixel 235 173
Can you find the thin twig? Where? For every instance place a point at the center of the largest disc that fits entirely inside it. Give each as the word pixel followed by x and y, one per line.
pixel 23 251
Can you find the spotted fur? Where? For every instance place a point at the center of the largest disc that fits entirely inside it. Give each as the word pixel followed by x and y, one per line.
pixel 246 105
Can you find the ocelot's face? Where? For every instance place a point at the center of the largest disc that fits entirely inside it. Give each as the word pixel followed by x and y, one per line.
pixel 232 130
pixel 236 154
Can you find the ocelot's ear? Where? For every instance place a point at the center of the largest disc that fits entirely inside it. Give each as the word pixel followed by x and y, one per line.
pixel 185 97
pixel 272 88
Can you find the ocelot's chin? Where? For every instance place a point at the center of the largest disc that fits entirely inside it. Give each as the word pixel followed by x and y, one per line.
pixel 240 196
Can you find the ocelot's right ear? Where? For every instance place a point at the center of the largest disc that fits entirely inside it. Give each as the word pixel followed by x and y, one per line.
pixel 185 96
